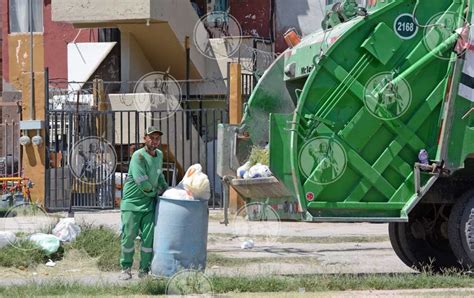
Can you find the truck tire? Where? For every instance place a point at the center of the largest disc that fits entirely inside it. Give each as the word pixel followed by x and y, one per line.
pixel 461 230
pixel 422 243
pixel 396 245
pixel 470 231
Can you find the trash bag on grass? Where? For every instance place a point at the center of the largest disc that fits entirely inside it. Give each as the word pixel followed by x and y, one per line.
pixel 6 238
pixel 66 230
pixel 48 243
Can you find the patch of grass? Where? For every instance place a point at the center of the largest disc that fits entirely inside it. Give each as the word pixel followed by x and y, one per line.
pixel 257 284
pixel 302 239
pixel 109 260
pixel 214 259
pixel 25 254
pixel 56 288
pixel 101 243
pixel 95 240
pixel 339 282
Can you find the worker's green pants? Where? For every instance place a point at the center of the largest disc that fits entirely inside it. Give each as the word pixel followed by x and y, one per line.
pixel 132 223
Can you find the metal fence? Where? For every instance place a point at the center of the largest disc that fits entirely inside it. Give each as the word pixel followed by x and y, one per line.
pixel 190 133
pixel 10 160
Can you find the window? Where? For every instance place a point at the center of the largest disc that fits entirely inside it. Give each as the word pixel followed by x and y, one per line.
pixel 19 19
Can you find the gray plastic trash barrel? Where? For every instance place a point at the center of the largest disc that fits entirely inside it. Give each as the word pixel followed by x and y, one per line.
pixel 180 236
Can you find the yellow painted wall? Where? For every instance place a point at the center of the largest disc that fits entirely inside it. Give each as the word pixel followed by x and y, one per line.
pixel 33 157
pixel 19 56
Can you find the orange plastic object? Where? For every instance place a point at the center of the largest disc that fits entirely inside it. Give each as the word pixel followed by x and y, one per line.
pixel 292 38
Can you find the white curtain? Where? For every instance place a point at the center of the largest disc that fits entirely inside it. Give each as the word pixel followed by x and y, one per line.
pixel 18 11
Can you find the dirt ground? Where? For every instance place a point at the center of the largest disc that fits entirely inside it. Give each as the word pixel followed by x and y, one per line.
pixel 309 247
pixel 279 248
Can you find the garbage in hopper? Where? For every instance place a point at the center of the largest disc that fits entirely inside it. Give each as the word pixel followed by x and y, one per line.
pixel 194 186
pixel 257 165
pixel 258 171
pixel 241 171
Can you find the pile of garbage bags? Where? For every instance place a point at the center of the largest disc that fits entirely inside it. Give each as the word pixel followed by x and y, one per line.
pixel 66 230
pixel 249 171
pixel 194 186
pixel 257 164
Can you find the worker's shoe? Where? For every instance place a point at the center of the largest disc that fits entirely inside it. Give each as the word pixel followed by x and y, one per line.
pixel 142 274
pixel 126 274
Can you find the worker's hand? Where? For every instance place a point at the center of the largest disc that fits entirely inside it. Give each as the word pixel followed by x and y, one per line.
pixel 162 191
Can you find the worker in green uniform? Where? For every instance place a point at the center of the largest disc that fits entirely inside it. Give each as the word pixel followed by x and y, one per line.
pixel 144 182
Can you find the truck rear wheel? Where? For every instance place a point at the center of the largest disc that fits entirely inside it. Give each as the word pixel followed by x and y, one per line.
pixel 396 245
pixel 422 243
pixel 461 230
pixel 470 231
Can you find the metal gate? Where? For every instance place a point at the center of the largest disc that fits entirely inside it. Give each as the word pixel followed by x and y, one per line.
pixel 86 174
pixel 10 159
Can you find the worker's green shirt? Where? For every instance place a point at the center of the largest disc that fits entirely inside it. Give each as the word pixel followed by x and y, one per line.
pixel 145 180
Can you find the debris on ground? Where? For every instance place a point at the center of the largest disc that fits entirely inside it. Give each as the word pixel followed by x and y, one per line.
pixel 48 243
pixel 247 244
pixel 66 230
pixel 50 263
pixel 7 238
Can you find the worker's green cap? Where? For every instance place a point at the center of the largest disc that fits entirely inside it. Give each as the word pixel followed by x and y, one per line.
pixel 153 129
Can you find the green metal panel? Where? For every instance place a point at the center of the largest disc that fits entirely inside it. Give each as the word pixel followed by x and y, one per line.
pixel 271 95
pixel 383 43
pixel 279 140
pixel 348 148
pixel 374 176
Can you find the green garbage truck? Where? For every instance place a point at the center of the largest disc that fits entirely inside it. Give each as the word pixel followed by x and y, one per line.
pixel 371 120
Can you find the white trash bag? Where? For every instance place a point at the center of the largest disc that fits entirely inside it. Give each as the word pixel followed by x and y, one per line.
pixel 48 243
pixel 241 171
pixel 258 171
pixel 197 183
pixel 66 230
pixel 248 244
pixel 177 194
pixel 7 238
